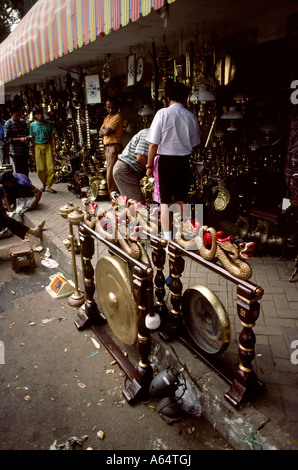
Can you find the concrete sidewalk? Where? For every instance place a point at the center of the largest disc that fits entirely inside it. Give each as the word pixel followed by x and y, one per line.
pixel 271 421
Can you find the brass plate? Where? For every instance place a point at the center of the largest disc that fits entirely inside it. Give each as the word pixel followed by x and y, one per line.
pixel 222 199
pixel 92 191
pixel 113 284
pixel 206 319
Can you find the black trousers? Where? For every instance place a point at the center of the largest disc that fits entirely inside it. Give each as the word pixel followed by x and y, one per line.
pixel 21 165
pixel 17 228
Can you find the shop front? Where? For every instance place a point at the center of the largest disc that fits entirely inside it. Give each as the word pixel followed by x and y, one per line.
pixel 238 63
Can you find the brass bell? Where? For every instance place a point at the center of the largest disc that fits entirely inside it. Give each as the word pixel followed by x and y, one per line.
pixel 67 209
pixel 76 216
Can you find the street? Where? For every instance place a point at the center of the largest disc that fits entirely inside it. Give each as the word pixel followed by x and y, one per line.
pixel 61 389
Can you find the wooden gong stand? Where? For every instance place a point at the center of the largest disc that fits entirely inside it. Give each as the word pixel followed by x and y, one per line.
pixel 244 383
pixel 140 376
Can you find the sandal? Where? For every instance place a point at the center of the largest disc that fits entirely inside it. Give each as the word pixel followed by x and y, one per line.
pixel 43 188
pixel 51 190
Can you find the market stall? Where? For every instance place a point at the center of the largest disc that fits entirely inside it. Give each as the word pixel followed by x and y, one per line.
pixel 77 52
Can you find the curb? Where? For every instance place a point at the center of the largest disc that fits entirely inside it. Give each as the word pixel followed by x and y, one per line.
pixel 245 428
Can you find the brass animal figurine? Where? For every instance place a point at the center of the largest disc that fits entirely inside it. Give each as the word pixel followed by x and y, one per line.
pixel 231 255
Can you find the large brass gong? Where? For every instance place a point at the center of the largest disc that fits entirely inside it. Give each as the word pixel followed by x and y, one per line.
pixel 206 319
pixel 113 283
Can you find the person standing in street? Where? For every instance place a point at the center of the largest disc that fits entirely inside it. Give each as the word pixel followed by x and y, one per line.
pixel 43 149
pixel 131 167
pixel 17 136
pixel 112 131
pixel 173 135
pixel 3 152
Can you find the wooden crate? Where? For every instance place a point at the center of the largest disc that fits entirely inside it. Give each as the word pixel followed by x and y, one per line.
pixel 22 256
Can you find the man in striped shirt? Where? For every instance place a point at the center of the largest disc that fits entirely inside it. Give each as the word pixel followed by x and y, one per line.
pixel 131 166
pixel 16 135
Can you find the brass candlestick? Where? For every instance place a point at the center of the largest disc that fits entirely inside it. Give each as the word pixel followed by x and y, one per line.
pixel 71 212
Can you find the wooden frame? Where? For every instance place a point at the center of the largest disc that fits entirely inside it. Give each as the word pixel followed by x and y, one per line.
pixel 131 70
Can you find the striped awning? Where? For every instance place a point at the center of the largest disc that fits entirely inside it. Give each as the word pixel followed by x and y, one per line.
pixel 53 28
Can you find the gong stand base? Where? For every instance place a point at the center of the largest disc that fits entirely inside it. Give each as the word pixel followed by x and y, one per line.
pixel 209 359
pixel 135 390
pixel 245 386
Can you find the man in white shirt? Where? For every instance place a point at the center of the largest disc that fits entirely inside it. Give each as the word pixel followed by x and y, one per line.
pixel 173 134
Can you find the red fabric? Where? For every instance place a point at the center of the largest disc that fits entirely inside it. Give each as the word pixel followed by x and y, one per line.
pixel 135 10
pixel 116 14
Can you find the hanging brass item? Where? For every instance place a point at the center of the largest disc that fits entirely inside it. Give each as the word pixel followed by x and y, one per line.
pixel 225 70
pixel 206 319
pixel 113 283
pixel 222 198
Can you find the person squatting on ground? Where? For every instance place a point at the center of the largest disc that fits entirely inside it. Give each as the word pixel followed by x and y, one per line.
pixel 17 186
pixel 18 228
pixel 17 136
pixel 173 135
pixel 112 131
pixel 43 148
pixel 131 167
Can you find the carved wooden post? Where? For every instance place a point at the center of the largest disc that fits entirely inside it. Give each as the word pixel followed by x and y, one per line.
pixel 142 283
pixel 246 383
pixel 158 258
pixel 176 264
pixel 91 313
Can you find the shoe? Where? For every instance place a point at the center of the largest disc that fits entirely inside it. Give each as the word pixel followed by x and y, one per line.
pixel 51 190
pixel 37 231
pixel 41 224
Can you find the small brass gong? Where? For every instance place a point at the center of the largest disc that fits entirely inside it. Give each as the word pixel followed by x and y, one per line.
pixel 222 199
pixel 206 319
pixel 113 284
pixel 92 192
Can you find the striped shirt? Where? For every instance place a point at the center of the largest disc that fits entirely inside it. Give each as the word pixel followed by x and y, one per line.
pixel 137 145
pixel 42 132
pixel 12 130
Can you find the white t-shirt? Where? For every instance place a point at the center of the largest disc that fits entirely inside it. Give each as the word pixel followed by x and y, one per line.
pixel 175 130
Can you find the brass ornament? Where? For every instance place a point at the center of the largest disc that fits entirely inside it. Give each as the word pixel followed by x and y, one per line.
pixel 225 70
pixel 93 190
pixel 113 284
pixel 222 198
pixel 206 319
